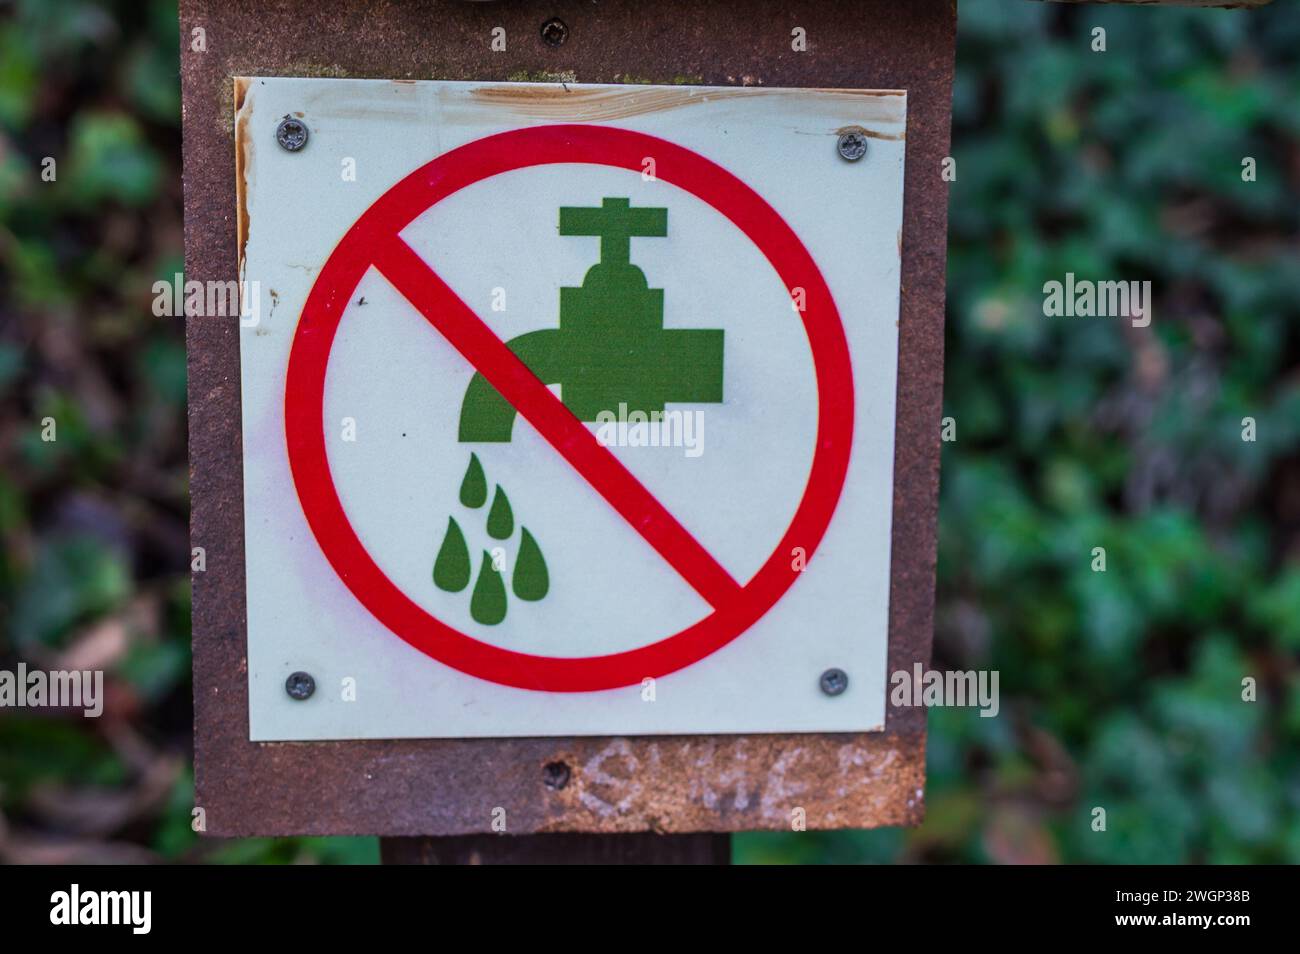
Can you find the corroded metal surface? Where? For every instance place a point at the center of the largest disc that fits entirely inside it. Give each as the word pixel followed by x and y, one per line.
pixel 678 784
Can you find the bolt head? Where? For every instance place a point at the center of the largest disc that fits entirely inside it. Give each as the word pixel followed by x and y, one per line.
pixel 554 31
pixel 555 775
pixel 852 145
pixel 834 681
pixel 300 686
pixel 291 134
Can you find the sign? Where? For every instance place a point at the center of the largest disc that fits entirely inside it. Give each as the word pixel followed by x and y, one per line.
pixel 674 782
pixel 568 410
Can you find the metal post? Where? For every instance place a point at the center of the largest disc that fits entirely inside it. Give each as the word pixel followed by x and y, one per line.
pixel 564 848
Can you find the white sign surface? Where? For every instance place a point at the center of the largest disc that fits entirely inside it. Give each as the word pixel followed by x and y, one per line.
pixel 567 410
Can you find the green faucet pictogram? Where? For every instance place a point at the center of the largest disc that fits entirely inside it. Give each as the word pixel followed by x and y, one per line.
pixel 611 347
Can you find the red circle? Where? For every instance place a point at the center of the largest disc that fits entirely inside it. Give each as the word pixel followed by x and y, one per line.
pixel 392 212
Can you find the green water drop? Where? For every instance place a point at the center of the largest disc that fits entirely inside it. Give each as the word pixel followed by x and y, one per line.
pixel 473 489
pixel 488 604
pixel 452 567
pixel 500 521
pixel 530 581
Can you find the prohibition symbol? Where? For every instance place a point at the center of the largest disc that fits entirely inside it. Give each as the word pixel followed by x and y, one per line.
pixel 374 241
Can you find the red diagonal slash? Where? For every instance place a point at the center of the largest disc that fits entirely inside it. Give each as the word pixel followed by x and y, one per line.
pixel 458 323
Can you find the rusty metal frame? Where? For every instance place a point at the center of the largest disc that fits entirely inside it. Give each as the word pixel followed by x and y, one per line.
pixel 667 784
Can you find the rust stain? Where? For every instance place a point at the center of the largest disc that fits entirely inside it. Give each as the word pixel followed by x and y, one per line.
pixel 243 155
pixel 871 133
pixel 710 783
pixel 557 100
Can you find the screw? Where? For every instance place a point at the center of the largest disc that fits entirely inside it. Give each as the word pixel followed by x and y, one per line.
pixel 555 775
pixel 834 681
pixel 554 32
pixel 852 145
pixel 300 686
pixel 291 134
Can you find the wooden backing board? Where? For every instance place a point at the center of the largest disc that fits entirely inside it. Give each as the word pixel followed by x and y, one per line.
pixel 666 784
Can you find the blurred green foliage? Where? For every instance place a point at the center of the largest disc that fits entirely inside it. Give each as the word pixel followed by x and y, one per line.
pixel 1119 689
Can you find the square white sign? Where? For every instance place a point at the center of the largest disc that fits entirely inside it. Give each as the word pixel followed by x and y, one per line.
pixel 567 409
